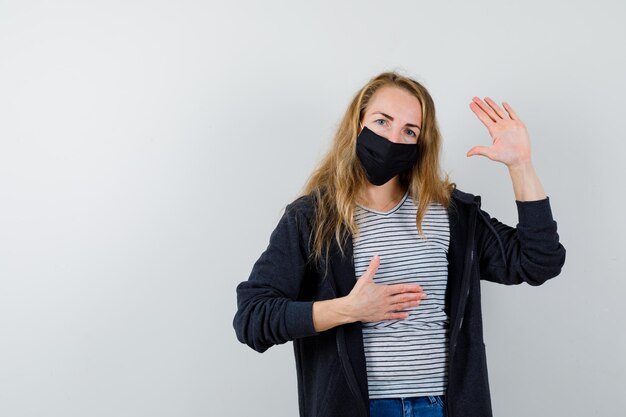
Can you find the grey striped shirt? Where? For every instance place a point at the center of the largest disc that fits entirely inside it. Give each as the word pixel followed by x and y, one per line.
pixel 407 357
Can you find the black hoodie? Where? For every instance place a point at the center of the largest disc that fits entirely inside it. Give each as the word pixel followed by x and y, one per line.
pixel 275 303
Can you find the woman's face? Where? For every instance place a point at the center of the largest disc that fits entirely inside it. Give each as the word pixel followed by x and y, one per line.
pixel 394 114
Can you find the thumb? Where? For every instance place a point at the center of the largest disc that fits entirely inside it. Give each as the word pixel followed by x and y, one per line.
pixel 480 150
pixel 372 268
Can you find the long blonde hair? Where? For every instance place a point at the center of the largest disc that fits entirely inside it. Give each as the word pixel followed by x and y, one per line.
pixel 335 183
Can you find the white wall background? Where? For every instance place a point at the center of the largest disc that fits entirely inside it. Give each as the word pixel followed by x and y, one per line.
pixel 147 149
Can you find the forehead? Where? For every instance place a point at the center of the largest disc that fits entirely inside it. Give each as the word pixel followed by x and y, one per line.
pixel 396 102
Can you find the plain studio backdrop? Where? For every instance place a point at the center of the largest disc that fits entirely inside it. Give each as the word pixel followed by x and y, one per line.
pixel 148 149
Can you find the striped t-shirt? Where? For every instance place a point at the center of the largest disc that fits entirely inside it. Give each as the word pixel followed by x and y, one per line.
pixel 406 357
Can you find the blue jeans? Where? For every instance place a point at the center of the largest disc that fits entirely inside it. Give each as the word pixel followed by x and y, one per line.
pixel 427 406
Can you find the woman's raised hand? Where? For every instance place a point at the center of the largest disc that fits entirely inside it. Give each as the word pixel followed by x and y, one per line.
pixel 511 144
pixel 371 302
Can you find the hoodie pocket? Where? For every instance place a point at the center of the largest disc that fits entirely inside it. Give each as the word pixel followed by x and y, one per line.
pixel 330 392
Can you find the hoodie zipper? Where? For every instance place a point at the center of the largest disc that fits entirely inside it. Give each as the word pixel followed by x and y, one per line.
pixel 343 359
pixel 463 302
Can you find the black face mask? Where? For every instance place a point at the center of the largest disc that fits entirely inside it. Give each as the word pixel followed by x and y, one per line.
pixel 382 158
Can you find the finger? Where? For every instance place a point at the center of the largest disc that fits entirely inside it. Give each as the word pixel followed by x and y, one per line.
pixel 482 116
pixel 390 315
pixel 496 108
pixel 393 289
pixel 481 150
pixel 407 298
pixel 510 110
pixel 405 305
pixel 488 110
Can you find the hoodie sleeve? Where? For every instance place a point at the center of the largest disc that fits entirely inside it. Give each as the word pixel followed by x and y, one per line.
pixel 268 312
pixel 530 252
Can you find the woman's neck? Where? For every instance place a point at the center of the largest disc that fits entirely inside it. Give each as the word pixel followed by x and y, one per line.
pixel 382 197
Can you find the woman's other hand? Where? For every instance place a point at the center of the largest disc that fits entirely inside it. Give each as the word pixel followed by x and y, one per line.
pixel 511 144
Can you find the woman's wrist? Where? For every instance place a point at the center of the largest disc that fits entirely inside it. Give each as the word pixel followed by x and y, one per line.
pixel 331 313
pixel 526 184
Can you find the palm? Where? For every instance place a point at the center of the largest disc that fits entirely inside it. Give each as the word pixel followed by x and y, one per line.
pixel 510 141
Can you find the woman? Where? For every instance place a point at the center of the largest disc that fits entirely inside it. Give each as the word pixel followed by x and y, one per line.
pixel 374 270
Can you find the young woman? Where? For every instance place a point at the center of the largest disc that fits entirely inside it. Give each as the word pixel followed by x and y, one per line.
pixel 374 270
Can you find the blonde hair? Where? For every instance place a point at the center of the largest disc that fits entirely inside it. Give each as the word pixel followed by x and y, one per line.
pixel 338 178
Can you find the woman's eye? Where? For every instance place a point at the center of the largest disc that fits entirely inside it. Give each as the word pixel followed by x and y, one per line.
pixel 410 132
pixel 380 120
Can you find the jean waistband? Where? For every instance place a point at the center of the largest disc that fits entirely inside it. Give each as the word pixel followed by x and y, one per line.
pixel 429 398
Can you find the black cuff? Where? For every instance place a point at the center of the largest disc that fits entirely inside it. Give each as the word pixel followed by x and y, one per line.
pixel 534 212
pixel 299 319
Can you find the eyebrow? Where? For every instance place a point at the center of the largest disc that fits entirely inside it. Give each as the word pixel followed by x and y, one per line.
pixel 391 118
